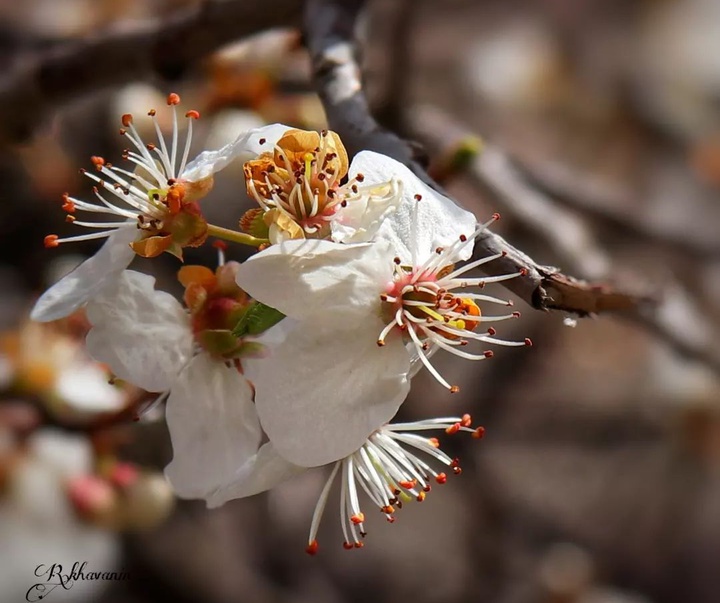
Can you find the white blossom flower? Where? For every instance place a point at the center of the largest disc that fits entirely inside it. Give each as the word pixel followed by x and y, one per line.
pixel 394 464
pixel 154 207
pixel 300 190
pixel 357 307
pixel 146 337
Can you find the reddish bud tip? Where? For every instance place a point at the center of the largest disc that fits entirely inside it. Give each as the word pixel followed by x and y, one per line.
pixel 348 546
pixel 418 197
pixel 479 433
pixel 50 241
pixel 173 99
pixel 457 470
pixel 496 216
pixel 463 238
pixel 312 548
pixel 192 114
pixel 221 245
pixel 126 120
pixel 528 342
pixel 491 331
pixel 441 478
pixel 488 353
pixel 523 272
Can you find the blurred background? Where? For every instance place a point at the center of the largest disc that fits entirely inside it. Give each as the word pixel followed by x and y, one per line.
pixel 598 480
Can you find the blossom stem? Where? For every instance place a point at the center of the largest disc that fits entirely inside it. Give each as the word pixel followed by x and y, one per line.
pixel 234 236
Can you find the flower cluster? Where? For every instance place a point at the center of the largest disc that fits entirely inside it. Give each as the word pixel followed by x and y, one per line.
pixel 300 356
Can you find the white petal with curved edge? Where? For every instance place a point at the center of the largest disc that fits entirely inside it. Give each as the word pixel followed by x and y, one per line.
pixel 358 221
pixel 336 285
pixel 75 289
pixel 261 472
pixel 213 427
pixel 321 393
pixel 143 335
pixel 245 147
pixel 440 221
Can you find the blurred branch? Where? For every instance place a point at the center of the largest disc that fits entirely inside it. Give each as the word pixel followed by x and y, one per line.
pixel 605 203
pixel 42 81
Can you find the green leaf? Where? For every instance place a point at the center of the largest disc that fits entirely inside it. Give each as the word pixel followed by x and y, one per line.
pixel 257 319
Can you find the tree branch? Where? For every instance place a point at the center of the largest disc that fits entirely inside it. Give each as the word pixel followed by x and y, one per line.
pixel 41 82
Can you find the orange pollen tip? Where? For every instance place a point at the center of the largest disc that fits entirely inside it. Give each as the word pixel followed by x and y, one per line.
pixel 479 433
pixel 454 389
pixel 457 470
pixel 150 146
pixel 312 548
pixel 173 99
pixel 357 518
pixel 496 216
pixel 523 272
pixel 152 113
pixel 347 546
pixel 381 342
pixel 193 114
pixel 221 245
pixel 70 219
pixel 97 161
pixel 388 510
pixel 68 206
pixel 466 420
pixel 441 478
pixel 50 241
pixel 434 442
pixel 488 353
pixel 528 342
pixel 126 120
pixel 453 429
pixel 421 496
pixel 407 484
pixel 359 545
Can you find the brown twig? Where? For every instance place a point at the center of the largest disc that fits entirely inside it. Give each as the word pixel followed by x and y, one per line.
pixel 41 82
pixel 329 31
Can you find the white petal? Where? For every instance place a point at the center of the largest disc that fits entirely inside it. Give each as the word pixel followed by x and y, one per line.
pixel 359 220
pixel 261 472
pixel 74 290
pixel 143 335
pixel 245 147
pixel 315 280
pixel 439 220
pixel 321 393
pixel 213 427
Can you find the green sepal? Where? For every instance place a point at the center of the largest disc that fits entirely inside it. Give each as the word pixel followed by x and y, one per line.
pixel 257 319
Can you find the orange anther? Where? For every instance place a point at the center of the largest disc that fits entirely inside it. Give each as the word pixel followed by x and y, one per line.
pixel 126 120
pixel 441 478
pixel 221 245
pixel 152 113
pixel 479 433
pixel 420 496
pixel 457 470
pixel 381 342
pixel 408 484
pixel 434 442
pixel 193 114
pixel 357 518
pixel 98 162
pixel 68 205
pixel 50 241
pixel 387 509
pixel 347 546
pixel 452 429
pixel 173 99
pixel 454 389
pixel 70 219
pixel 312 548
pixel 466 420
pixel 359 545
